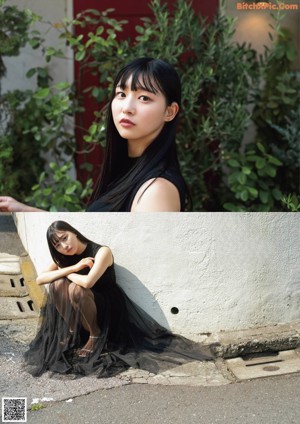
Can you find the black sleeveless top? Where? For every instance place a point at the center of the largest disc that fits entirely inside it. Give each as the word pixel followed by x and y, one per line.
pixel 171 174
pixel 107 278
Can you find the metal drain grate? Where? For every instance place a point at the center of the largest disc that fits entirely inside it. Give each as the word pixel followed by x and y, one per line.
pixel 12 285
pixel 16 307
pixel 264 365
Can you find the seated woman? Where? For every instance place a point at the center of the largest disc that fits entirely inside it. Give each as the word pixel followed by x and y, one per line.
pixel 89 324
pixel 140 172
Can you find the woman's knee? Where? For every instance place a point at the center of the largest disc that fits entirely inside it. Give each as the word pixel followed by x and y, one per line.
pixel 77 293
pixel 57 286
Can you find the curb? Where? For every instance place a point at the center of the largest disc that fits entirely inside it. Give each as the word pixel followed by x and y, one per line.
pixel 37 293
pixel 273 338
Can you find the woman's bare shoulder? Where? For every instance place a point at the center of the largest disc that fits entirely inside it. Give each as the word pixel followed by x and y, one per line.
pixel 157 195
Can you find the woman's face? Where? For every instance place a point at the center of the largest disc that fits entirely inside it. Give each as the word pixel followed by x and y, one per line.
pixel 67 243
pixel 140 115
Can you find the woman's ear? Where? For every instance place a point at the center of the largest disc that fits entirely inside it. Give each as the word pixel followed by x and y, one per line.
pixel 171 111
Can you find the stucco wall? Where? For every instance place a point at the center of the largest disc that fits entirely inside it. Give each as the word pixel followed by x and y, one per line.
pixel 223 271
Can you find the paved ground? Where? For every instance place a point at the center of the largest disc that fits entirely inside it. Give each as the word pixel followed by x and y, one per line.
pixel 274 400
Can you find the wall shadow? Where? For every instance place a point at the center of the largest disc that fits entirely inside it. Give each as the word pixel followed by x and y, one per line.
pixel 139 294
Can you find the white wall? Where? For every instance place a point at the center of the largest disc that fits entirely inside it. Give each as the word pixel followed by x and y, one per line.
pixel 223 271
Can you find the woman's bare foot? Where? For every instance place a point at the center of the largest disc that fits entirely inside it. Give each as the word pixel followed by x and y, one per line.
pixel 89 347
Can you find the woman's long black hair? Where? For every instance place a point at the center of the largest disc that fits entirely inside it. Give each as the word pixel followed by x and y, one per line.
pixel 112 186
pixel 62 260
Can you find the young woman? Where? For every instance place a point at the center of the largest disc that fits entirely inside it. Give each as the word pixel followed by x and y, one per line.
pixel 89 324
pixel 141 171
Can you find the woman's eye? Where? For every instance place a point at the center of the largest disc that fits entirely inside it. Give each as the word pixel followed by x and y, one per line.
pixel 120 94
pixel 145 98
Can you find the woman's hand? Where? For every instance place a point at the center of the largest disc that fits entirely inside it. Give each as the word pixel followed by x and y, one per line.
pixel 84 263
pixel 103 260
pixel 9 204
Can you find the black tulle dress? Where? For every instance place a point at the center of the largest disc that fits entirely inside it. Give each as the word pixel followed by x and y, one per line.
pixel 129 336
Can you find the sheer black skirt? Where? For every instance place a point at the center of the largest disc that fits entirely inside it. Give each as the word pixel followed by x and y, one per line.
pixel 129 338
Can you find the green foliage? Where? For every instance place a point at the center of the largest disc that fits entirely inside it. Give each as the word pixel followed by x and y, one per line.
pixel 251 178
pixel 57 190
pixel 14 34
pixel 33 122
pixel 292 202
pixel 220 78
pixel 277 110
pixel 37 407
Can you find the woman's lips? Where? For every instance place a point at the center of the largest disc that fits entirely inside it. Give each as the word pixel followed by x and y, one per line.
pixel 126 123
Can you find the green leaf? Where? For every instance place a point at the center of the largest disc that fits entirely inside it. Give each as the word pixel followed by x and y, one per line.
pixel 260 163
pixel 246 170
pixel 242 179
pixel 291 55
pixel 67 198
pixel 274 161
pixel 261 148
pixel 93 129
pixel 139 29
pixel 80 55
pixel 62 85
pixel 264 196
pixel 271 171
pixel 244 195
pixel 42 93
pixel 233 163
pixel 47 191
pixel 253 191
pixel 72 189
pixel 31 72
pixel 233 177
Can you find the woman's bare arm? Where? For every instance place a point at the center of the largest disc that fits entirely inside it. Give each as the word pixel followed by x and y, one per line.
pixel 54 272
pixel 9 204
pixel 103 260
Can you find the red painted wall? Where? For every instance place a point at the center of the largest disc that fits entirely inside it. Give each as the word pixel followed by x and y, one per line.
pixel 132 11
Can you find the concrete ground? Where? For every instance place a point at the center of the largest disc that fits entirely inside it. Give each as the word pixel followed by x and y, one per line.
pixel 195 393
pixel 274 400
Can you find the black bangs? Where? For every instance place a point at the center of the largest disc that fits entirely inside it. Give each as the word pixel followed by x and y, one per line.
pixel 142 79
pixel 53 237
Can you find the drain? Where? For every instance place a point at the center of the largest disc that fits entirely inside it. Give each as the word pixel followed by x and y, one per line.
pixel 21 307
pixel 271 368
pixel 12 286
pixel 263 365
pixel 30 304
pixel 14 307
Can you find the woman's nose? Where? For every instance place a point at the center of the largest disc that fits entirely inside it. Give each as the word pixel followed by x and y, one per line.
pixel 128 105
